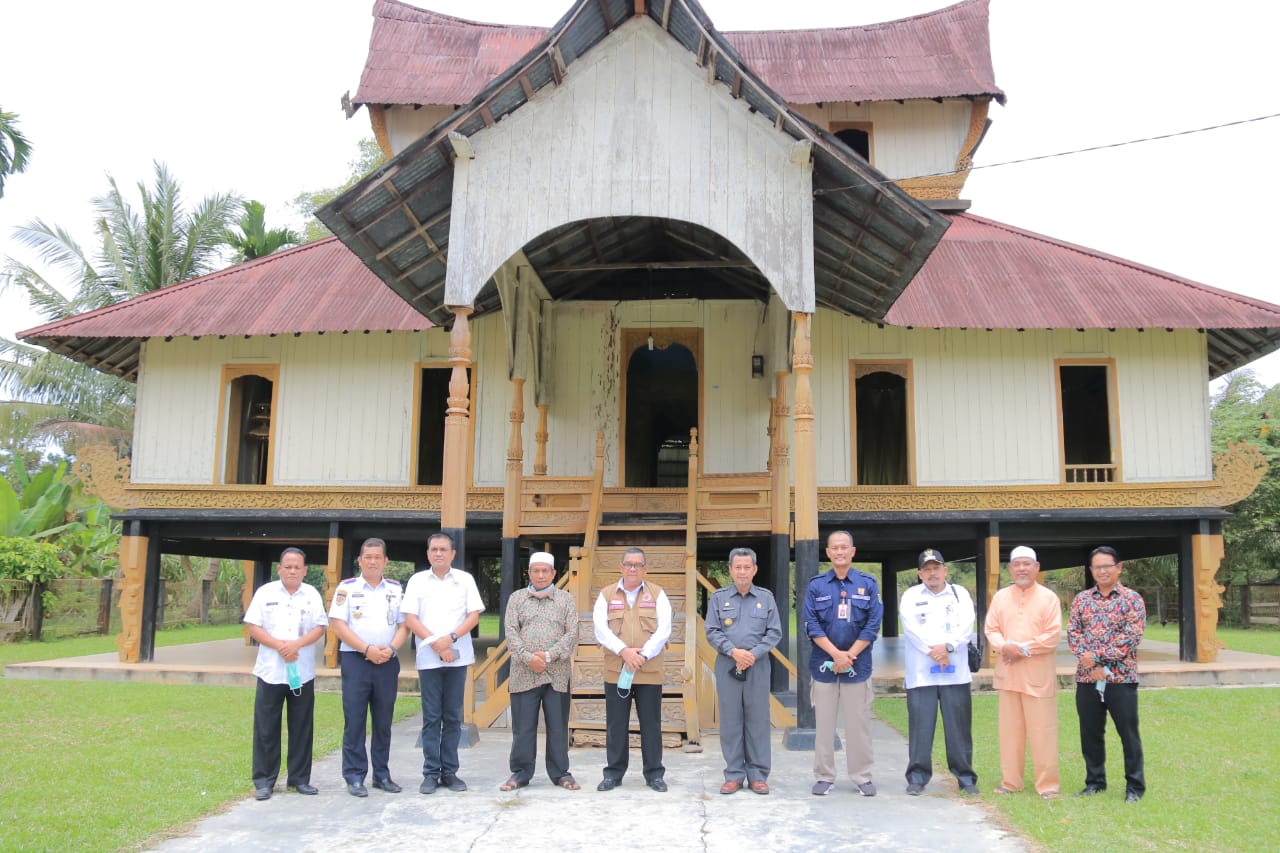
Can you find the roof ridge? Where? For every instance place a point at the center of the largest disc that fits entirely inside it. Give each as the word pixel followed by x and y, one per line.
pixel 872 26
pixel 1119 261
pixel 443 18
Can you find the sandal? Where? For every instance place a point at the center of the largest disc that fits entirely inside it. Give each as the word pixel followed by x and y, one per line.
pixel 1049 795
pixel 511 784
pixel 568 782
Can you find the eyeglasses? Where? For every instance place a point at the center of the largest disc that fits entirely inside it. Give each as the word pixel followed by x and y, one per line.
pixel 1107 566
pixel 633 565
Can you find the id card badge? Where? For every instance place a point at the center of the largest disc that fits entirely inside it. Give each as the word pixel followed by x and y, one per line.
pixel 842 610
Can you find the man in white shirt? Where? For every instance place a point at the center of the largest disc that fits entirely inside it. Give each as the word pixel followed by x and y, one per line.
pixel 286 618
pixel 632 622
pixel 440 607
pixel 937 622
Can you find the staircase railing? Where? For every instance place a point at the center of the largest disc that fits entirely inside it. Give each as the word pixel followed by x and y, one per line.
pixel 690 670
pixel 497 695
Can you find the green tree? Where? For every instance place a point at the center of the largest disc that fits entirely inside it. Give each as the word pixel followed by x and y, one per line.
pixel 1245 410
pixel 141 249
pixel 252 239
pixel 15 150
pixel 307 203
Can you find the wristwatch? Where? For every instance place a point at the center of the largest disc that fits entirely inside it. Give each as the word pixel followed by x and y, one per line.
pixel 453 637
pixel 950 648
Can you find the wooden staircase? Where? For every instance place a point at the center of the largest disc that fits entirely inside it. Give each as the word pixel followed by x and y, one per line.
pixel 669 539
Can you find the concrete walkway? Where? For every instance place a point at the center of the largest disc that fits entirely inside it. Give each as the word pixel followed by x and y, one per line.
pixel 692 816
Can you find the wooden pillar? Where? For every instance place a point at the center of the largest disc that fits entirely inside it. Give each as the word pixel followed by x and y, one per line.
pixel 540 457
pixel 247 586
pixel 511 503
pixel 780 523
pixel 1199 594
pixel 133 565
pixel 988 562
pixel 332 577
pixel 152 590
pixel 806 513
pixel 457 426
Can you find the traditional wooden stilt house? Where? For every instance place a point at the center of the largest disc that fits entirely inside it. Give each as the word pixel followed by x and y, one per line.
pixel 699 277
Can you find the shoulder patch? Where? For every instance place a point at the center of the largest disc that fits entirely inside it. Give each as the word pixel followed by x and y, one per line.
pixel 340 597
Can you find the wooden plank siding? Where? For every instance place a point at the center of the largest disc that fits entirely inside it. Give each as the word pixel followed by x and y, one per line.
pixel 648 136
pixel 985 402
pixel 907 140
pixel 986 405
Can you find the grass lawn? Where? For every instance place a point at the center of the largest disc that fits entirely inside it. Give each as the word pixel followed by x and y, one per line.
pixel 1259 641
pixel 105 765
pixel 1208 786
pixel 93 645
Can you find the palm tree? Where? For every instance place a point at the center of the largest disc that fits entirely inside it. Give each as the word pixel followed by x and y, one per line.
pixel 253 239
pixel 140 250
pixel 15 150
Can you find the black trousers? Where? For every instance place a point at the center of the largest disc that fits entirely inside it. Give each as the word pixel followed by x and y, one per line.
pixel 1122 704
pixel 524 732
pixel 268 703
pixel 367 690
pixel 617 727
pixel 957 729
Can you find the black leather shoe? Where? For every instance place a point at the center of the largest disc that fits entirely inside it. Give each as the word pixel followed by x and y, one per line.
pixel 658 785
pixel 262 794
pixel 306 788
pixel 453 783
pixel 387 785
pixel 607 784
pixel 1090 790
pixel 357 789
pixel 429 785
pixel 1132 796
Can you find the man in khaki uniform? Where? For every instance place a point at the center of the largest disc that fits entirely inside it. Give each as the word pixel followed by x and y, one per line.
pixel 632 622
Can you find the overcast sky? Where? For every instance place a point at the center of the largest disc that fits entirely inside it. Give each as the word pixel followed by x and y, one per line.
pixel 243 95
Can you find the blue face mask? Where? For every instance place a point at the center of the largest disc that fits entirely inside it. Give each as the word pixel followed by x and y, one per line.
pixel 624 679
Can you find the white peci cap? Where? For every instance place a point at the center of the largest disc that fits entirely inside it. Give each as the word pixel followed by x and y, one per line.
pixel 1020 552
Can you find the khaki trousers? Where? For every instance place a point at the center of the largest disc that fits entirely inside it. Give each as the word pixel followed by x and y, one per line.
pixel 853 702
pixel 1028 720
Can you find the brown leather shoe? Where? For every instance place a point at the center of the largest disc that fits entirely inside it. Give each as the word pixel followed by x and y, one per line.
pixel 759 786
pixel 731 787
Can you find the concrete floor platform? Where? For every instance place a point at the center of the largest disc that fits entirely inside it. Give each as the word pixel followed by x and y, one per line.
pixel 230 662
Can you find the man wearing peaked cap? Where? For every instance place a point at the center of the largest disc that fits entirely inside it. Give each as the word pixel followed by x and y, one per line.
pixel 937 622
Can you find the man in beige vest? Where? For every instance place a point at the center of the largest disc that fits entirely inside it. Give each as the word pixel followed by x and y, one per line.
pixel 633 623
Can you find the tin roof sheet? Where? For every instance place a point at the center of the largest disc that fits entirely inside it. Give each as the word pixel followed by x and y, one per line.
pixel 417 56
pixel 318 287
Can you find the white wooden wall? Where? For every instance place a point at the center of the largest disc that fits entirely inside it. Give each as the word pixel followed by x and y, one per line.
pixel 635 130
pixel 985 402
pixel 908 140
pixel 406 124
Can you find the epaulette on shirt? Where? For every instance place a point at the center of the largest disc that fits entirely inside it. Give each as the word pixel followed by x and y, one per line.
pixel 350 580
pixel 391 580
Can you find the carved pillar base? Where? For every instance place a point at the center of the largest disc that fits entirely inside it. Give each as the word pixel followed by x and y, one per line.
pixel 133 562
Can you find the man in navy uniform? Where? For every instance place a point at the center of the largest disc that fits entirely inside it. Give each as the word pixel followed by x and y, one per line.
pixel 842 613
pixel 365 615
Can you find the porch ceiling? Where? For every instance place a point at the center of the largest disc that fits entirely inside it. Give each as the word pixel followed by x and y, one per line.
pixel 870 238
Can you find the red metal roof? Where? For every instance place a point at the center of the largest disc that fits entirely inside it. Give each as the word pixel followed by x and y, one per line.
pixel 319 287
pixel 985 274
pixel 421 57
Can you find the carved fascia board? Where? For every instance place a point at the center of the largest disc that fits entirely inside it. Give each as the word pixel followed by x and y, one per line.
pixel 1239 470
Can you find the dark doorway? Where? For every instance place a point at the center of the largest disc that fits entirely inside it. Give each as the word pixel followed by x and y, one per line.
pixel 249 433
pixel 1086 422
pixel 433 394
pixel 662 407
pixel 880 413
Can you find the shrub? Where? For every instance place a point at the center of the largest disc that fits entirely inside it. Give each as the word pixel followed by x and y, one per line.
pixel 28 560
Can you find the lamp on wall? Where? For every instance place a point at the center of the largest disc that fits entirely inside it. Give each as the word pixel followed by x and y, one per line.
pixel 650 309
pixel 757 366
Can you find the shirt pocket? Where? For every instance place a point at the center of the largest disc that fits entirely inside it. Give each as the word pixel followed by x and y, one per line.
pixel 648 622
